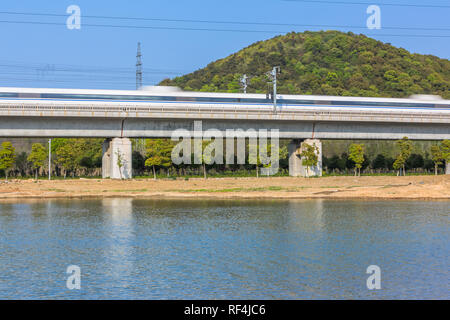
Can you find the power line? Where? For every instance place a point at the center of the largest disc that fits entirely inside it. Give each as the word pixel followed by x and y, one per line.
pixel 209 29
pixel 83 69
pixel 14 71
pixel 228 22
pixel 81 72
pixel 437 6
pixel 93 81
pixel 65 78
pixel 141 27
pixel 48 74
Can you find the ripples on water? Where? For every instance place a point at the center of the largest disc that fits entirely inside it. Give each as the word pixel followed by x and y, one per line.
pixel 205 249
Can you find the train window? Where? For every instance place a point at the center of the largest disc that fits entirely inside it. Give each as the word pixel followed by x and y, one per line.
pixel 29 95
pixel 322 102
pixel 9 95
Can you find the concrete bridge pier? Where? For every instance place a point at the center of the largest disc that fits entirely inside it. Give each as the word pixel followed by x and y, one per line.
pixel 296 169
pixel 116 160
pixel 295 162
pixel 447 167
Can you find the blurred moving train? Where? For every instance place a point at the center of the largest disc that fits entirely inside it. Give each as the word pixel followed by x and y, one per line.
pixel 174 95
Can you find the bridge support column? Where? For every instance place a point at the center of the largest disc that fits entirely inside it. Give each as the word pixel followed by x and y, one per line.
pixel 116 160
pixel 295 162
pixel 106 159
pixel 447 167
pixel 296 169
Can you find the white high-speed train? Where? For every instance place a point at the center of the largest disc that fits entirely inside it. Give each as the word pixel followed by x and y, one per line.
pixel 174 95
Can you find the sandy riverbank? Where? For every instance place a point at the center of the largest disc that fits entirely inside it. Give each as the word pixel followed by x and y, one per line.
pixel 384 187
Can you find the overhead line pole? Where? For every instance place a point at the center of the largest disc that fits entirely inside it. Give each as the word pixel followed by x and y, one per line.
pixel 49 159
pixel 273 76
pixel 244 82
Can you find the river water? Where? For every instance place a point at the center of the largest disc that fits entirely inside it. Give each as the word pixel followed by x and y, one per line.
pixel 210 249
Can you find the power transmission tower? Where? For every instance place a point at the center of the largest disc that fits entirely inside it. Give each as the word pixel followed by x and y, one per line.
pixel 138 67
pixel 244 82
pixel 141 142
pixel 273 78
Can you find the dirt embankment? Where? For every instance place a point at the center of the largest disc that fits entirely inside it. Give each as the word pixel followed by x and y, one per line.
pixel 384 187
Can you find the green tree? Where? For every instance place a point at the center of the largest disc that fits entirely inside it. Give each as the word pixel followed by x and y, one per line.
pixel 445 147
pixel 398 164
pixel 257 155
pixel 74 154
pixel 379 162
pixel 37 157
pixel 154 161
pixel 283 154
pixel 158 154
pixel 356 154
pixel 22 164
pixel 437 156
pixel 7 157
pixel 415 161
pixel 405 147
pixel 254 155
pixel 264 154
pixel 206 157
pixel 90 152
pixel 138 162
pixel 68 154
pixel 120 162
pixel 309 155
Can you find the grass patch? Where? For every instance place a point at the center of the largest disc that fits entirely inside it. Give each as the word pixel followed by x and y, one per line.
pixel 136 190
pixel 208 190
pixel 260 189
pixel 394 186
pixel 56 190
pixel 229 190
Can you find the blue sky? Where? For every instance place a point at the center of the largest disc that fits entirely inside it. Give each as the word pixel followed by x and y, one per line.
pixel 35 55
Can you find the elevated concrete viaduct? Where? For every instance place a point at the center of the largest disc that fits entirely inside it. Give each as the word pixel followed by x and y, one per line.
pixel 118 122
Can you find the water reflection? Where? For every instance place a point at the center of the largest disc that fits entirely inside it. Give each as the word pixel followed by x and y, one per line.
pixel 205 249
pixel 118 249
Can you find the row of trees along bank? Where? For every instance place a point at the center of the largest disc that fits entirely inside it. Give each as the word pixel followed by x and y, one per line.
pixel 406 160
pixel 152 157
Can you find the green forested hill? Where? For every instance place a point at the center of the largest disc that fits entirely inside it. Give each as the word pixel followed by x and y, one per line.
pixel 325 63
